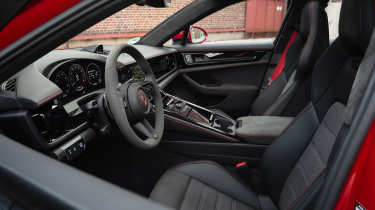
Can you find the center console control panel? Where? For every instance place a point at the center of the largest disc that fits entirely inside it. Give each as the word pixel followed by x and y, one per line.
pixel 196 114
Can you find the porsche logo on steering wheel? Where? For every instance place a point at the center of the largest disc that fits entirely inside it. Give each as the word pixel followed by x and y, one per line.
pixel 143 99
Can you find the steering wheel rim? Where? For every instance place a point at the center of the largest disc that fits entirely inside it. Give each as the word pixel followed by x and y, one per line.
pixel 123 98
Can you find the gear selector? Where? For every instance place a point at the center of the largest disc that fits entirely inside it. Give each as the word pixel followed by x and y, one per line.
pixel 199 115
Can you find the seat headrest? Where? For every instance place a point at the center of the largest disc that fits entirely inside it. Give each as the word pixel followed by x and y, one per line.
pixel 309 18
pixel 356 24
pixel 313 30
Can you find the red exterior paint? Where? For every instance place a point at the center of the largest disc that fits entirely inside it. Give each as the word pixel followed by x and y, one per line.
pixel 360 184
pixel 264 15
pixel 281 64
pixel 36 13
pixel 178 36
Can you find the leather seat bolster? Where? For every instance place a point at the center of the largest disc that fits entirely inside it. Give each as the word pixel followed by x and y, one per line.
pixel 171 188
pixel 288 147
pixel 203 184
pixel 215 176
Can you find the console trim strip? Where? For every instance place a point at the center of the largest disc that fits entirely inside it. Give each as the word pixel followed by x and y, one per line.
pixel 203 128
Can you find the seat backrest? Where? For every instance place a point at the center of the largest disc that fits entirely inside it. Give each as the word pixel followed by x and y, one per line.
pixel 296 62
pixel 303 151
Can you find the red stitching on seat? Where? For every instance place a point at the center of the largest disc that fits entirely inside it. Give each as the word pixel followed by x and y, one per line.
pixel 307 187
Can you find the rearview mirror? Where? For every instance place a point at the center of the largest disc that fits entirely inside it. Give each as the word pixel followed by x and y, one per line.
pixel 155 3
pixel 134 40
pixel 197 35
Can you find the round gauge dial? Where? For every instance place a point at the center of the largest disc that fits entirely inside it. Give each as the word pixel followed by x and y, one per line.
pixel 61 79
pixel 137 73
pixel 94 75
pixel 77 77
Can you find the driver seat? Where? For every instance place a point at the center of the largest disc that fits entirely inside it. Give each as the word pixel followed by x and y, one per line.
pixel 294 166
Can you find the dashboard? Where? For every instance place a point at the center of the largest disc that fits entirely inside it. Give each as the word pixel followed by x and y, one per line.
pixel 57 88
pixel 78 77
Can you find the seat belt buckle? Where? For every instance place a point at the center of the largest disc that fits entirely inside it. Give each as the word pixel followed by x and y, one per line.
pixel 269 82
pixel 252 176
pixel 242 169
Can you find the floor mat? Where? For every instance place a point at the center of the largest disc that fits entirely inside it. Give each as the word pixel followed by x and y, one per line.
pixel 115 161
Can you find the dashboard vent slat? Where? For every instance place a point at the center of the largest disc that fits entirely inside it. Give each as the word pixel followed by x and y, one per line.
pixel 10 85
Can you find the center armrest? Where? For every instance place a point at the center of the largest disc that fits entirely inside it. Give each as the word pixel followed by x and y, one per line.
pixel 261 129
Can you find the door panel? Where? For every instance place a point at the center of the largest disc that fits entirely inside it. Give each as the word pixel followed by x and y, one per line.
pixel 230 46
pixel 219 75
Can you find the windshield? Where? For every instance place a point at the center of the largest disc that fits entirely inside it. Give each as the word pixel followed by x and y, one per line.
pixel 125 26
pixel 235 22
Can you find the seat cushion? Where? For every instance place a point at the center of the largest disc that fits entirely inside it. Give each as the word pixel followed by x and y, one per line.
pixel 205 185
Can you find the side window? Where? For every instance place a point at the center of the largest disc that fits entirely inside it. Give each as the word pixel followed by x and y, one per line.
pixel 251 19
pixel 333 12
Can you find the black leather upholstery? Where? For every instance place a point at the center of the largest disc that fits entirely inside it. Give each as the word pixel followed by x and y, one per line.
pixel 314 31
pixel 205 185
pixel 303 129
pixel 356 23
pixel 333 77
pixel 300 58
pixel 295 164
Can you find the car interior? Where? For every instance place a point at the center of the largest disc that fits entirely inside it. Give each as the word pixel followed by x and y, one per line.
pixel 221 125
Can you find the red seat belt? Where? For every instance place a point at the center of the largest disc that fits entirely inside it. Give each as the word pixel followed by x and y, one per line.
pixel 281 64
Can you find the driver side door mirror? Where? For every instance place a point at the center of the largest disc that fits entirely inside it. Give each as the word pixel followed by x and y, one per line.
pixel 196 35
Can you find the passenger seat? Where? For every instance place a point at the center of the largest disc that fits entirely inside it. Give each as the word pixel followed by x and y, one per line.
pixel 304 47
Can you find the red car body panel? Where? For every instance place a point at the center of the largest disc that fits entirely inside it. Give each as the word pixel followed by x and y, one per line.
pixel 360 184
pixel 36 13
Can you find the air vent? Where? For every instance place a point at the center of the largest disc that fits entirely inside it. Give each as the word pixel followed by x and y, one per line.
pixel 10 85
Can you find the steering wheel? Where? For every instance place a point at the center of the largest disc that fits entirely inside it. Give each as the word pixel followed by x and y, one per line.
pixel 134 102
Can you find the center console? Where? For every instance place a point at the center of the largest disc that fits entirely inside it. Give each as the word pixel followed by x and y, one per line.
pixel 192 118
pixel 198 115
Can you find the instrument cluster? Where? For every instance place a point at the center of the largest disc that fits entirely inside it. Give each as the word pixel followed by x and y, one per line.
pixel 79 77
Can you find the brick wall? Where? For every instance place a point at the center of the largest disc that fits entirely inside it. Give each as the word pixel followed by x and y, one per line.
pixel 136 20
pixel 232 17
